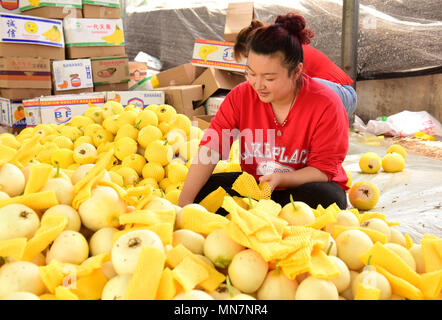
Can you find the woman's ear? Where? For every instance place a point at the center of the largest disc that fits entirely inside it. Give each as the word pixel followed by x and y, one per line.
pixel 298 71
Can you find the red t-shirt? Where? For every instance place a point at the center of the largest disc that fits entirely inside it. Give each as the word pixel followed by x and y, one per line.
pixel 315 133
pixel 318 65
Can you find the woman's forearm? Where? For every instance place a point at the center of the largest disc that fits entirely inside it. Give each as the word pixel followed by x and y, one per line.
pixel 199 173
pixel 305 175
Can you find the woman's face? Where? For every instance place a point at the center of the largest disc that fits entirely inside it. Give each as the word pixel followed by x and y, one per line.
pixel 270 78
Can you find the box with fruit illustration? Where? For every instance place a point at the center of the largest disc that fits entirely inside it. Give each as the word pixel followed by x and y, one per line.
pixel 94 37
pixel 32 112
pixel 27 36
pixel 108 9
pixel 25 73
pixel 62 108
pixel 53 9
pixel 12 113
pixel 216 54
pixel 72 75
pixel 10 6
pixel 108 70
pixel 139 99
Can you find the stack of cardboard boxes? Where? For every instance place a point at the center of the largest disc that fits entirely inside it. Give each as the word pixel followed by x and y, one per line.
pixel 58 56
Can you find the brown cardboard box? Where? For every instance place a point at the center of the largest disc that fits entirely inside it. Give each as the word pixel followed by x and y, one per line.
pixel 181 75
pixel 25 73
pixel 31 50
pixel 213 79
pixel 203 121
pixel 98 51
pixel 184 99
pixel 108 70
pixel 23 94
pixel 137 72
pixel 112 87
pixel 238 16
pixel 54 12
pixel 76 91
pixel 94 11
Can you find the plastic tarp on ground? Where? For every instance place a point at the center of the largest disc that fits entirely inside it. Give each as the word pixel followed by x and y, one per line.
pixel 412 197
pixel 395 36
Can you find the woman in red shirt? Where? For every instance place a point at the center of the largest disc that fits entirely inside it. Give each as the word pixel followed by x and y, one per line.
pixel 292 130
pixel 316 64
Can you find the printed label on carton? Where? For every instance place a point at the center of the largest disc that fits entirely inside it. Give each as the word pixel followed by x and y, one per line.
pixel 32 112
pixel 16 28
pixel 213 104
pixel 139 99
pixel 72 74
pixel 62 108
pixel 32 4
pixel 17 111
pixel 11 6
pixel 93 32
pixel 104 3
pixel 217 54
pixel 5 112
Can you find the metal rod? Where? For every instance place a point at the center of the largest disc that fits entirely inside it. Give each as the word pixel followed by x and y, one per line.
pixel 349 44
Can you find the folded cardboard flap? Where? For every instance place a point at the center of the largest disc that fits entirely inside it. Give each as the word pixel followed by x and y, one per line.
pixel 183 74
pixel 238 16
pixel 185 99
pixel 203 121
pixel 96 11
pixel 213 79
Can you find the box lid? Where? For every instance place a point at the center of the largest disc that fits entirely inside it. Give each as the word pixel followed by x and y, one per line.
pixel 238 16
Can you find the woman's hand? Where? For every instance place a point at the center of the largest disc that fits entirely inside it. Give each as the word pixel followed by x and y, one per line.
pixel 273 179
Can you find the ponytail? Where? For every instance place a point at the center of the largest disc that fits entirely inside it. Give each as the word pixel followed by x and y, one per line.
pixel 240 48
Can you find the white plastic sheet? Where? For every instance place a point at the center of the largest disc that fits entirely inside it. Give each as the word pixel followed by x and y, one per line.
pixel 412 197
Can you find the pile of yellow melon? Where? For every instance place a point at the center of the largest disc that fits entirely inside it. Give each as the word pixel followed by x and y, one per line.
pixel 88 211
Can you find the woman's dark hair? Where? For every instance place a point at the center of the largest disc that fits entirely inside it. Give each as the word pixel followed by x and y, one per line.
pixel 286 35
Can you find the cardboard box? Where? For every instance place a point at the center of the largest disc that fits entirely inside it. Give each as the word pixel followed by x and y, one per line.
pixel 5 116
pixel 17 111
pixel 238 16
pixel 10 6
pixel 27 36
pixel 62 108
pixel 214 79
pixel 32 112
pixel 203 121
pixel 72 75
pixel 94 37
pixel 108 9
pixel 53 9
pixel 216 54
pixel 110 70
pixel 25 73
pixel 112 87
pixel 139 99
pixel 23 94
pixel 137 72
pixel 184 99
pixel 181 75
pixel 213 103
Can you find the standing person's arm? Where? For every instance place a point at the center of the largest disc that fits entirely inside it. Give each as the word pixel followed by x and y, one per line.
pixel 199 172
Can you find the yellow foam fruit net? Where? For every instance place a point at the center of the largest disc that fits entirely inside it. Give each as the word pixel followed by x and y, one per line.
pixel 247 186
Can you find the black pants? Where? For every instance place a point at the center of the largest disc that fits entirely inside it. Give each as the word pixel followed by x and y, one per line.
pixel 313 193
